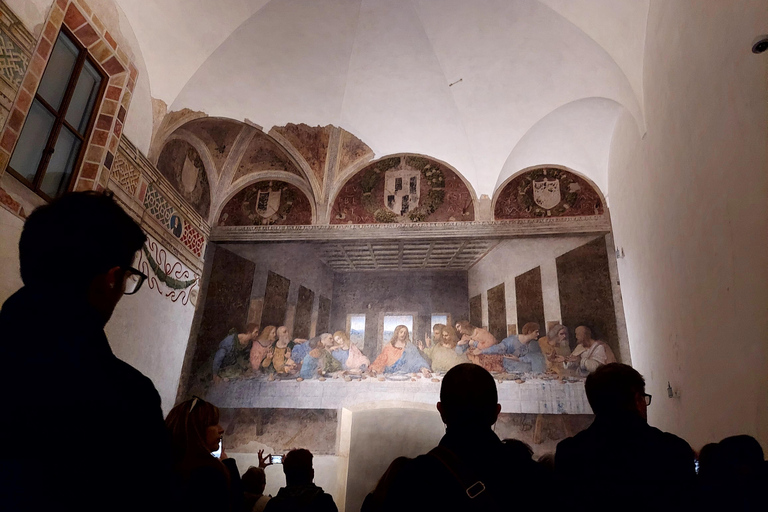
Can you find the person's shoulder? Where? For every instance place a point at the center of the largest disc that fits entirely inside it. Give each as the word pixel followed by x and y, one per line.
pixel 668 441
pixel 324 502
pixel 129 381
pixel 575 443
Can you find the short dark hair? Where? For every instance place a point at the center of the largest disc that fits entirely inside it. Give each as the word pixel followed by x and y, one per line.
pixel 468 396
pixel 613 388
pixel 297 466
pixel 254 480
pixel 74 238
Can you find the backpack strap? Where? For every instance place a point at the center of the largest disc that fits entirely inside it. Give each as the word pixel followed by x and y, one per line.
pixel 475 489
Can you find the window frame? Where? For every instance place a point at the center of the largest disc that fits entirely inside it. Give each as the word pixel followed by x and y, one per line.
pixel 446 315
pixel 349 324
pixel 60 119
pixel 414 319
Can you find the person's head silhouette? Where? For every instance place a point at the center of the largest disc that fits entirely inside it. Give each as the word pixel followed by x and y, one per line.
pixel 617 388
pixel 468 398
pixel 297 467
pixel 82 244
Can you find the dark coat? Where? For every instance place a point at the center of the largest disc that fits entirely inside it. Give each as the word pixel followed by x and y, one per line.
pixel 511 478
pixel 301 498
pixel 82 430
pixel 621 461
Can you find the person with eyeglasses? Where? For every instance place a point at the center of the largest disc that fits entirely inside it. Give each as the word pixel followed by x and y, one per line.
pixel 620 462
pixel 66 397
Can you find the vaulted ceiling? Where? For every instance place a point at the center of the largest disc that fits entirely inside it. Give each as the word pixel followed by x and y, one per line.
pixel 488 86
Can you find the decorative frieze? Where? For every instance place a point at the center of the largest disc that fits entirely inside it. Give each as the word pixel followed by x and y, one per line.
pixel 162 212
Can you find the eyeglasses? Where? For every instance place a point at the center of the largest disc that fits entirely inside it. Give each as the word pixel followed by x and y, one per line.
pixel 647 398
pixel 133 280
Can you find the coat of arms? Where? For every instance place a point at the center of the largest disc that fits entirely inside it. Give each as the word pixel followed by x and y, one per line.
pixel 546 193
pixel 268 202
pixel 401 190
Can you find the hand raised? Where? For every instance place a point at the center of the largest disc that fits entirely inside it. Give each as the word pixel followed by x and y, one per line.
pixel 264 461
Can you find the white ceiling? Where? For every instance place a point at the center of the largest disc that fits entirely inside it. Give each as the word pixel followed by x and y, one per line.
pixel 382 68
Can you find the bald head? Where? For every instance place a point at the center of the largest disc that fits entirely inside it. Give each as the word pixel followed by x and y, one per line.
pixel 468 397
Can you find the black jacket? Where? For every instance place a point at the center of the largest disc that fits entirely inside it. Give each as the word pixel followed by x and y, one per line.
pixel 621 461
pixel 82 430
pixel 301 498
pixel 511 479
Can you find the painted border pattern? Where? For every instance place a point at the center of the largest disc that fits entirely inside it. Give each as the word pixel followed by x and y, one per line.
pixel 144 184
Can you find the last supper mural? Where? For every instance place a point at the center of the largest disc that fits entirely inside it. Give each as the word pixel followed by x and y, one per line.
pixel 312 310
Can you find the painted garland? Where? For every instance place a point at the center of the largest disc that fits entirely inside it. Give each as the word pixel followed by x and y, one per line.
pixel 164 278
pixel 427 205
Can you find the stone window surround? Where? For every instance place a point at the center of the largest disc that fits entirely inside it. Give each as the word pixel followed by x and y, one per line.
pixel 101 147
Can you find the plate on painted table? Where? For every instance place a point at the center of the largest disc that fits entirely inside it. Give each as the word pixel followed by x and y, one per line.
pixel 398 377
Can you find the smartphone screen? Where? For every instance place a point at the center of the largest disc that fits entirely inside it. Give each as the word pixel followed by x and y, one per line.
pixel 217 453
pixel 276 459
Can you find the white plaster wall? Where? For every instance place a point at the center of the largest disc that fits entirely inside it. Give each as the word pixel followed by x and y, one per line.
pixel 150 333
pixel 576 135
pixel 32 13
pixel 688 207
pixel 10 231
pixel 513 257
pixel 371 436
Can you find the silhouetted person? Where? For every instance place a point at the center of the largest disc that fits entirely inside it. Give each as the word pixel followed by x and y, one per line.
pixel 299 493
pixel 470 469
pixel 732 475
pixel 254 482
pixel 67 401
pixel 202 482
pixel 620 462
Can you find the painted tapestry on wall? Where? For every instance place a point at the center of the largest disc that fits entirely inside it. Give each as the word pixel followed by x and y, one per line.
pixel 267 203
pixel 547 192
pixel 403 189
pixel 275 300
pixel 497 312
pixel 227 298
pixel 530 302
pixel 585 291
pixel 303 320
pixel 182 166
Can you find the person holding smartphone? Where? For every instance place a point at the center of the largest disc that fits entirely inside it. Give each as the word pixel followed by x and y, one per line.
pixel 206 479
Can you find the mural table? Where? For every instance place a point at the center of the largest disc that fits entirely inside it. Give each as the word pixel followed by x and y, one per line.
pixel 534 396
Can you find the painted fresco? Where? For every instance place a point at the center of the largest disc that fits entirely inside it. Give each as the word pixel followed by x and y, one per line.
pixel 311 142
pixel 289 334
pixel 264 154
pixel 267 203
pixel 403 188
pixel 314 323
pixel 182 166
pixel 547 192
pixel 218 135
